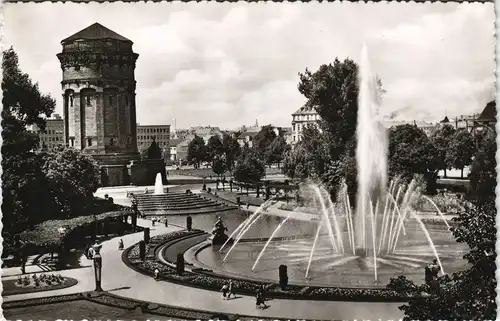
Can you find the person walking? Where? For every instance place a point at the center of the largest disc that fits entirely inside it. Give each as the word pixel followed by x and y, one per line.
pixel 157 273
pixel 224 290
pixel 120 244
pixel 260 300
pixel 230 290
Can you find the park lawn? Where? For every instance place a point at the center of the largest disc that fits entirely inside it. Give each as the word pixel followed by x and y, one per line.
pixel 10 287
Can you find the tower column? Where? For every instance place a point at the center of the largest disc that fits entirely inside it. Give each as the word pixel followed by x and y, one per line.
pixel 100 118
pixel 78 121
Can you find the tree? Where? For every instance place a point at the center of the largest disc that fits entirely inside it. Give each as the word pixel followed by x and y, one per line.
pixel 250 168
pixel 72 179
pixel 333 92
pixel 219 165
pixel 442 139
pixel 483 175
pixel 309 158
pixel 196 151
pixel 264 138
pixel 461 150
pixel 468 294
pixel 23 183
pixel 231 148
pixel 411 152
pixel 275 151
pixel 214 147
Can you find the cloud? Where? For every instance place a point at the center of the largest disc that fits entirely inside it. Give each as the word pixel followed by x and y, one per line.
pixel 227 64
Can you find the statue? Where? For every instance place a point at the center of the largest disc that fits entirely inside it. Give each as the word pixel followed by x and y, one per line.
pixel 218 236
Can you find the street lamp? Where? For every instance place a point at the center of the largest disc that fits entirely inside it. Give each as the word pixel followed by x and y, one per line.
pixel 97 267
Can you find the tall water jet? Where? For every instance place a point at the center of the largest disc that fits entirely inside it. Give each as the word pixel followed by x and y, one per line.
pixel 371 152
pixel 158 185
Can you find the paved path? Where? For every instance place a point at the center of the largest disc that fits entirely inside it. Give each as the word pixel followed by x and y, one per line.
pixel 122 281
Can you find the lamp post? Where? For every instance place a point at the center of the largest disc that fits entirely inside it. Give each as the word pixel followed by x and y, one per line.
pixel 97 267
pixel 61 230
pixel 96 226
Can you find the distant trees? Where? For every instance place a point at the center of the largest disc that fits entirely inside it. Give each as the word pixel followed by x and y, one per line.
pixel 197 152
pixel 250 168
pixel 264 138
pixel 442 139
pixel 461 150
pixel 275 152
pixel 412 152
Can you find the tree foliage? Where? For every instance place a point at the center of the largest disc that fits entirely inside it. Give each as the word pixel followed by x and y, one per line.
pixel 250 168
pixel 276 150
pixel 214 147
pixel 332 91
pixel 442 139
pixel 72 180
pixel 483 175
pixel 411 152
pixel 461 150
pixel 196 151
pixel 468 294
pixel 23 183
pixel 232 150
pixel 264 138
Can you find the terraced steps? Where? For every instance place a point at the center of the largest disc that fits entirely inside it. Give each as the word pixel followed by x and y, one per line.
pixel 175 203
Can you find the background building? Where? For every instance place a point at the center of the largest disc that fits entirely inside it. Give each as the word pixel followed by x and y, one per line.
pixel 161 133
pixel 53 135
pixel 304 116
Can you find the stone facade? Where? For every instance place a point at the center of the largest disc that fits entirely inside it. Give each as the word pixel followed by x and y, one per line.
pixel 98 88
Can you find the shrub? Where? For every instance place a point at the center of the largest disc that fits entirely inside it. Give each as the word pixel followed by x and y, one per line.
pixel 179 264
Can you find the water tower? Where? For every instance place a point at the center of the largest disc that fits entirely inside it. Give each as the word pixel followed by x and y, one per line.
pixel 98 88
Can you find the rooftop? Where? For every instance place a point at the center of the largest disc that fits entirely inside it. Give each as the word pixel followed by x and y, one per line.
pixel 96 32
pixel 304 110
pixel 489 112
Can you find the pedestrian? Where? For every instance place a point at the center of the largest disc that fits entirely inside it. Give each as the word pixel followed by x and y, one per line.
pixel 259 300
pixel 157 273
pixel 153 221
pixel 248 205
pixel 120 245
pixel 224 290
pixel 230 290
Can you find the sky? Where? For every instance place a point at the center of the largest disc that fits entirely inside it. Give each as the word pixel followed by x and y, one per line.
pixel 230 64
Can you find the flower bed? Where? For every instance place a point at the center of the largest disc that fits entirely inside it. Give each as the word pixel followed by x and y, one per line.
pixel 36 283
pixel 214 282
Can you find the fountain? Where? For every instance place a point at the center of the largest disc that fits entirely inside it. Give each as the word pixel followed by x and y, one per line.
pixel 367 239
pixel 158 185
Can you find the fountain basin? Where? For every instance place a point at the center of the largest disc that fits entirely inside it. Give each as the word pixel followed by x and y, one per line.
pixel 329 269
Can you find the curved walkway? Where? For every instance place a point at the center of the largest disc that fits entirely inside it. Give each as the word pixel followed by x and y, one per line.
pixel 120 280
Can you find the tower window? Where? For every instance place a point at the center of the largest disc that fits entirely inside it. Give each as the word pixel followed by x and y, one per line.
pixel 126 100
pixel 71 100
pixel 111 141
pixel 87 98
pixel 89 141
pixel 110 100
